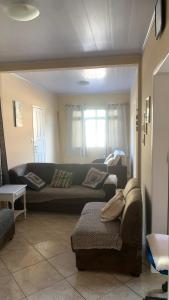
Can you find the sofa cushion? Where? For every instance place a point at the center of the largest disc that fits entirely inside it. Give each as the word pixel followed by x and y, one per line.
pixel 92 207
pixel 61 179
pixel 33 181
pixel 74 192
pixel 131 184
pixel 113 208
pixel 91 233
pixel 94 178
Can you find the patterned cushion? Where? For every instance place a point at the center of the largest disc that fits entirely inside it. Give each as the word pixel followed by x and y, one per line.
pixel 113 208
pixel 94 178
pixel 61 179
pixel 33 181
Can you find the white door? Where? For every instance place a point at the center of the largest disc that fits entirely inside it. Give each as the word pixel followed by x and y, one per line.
pixel 39 134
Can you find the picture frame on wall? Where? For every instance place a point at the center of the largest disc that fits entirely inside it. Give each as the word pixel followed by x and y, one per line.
pixel 148 110
pixel 18 113
pixel 145 125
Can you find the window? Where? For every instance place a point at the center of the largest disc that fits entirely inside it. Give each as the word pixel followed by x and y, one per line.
pixel 91 129
pixel 95 128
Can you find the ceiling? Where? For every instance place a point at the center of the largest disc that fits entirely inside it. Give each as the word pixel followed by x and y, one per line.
pixel 76 28
pixel 109 80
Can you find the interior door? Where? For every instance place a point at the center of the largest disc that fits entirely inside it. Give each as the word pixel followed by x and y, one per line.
pixel 39 134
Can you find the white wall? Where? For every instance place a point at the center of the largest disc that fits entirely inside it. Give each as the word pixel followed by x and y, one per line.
pixel 91 100
pixel 19 140
pixel 160 148
pixel 133 131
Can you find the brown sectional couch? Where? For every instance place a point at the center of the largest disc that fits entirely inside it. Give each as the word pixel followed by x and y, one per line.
pixel 70 199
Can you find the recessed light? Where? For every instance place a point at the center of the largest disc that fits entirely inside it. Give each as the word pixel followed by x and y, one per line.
pixel 83 82
pixel 21 10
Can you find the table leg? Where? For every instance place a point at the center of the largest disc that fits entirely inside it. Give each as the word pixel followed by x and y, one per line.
pixel 24 200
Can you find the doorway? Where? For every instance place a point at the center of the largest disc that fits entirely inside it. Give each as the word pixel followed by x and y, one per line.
pixel 39 140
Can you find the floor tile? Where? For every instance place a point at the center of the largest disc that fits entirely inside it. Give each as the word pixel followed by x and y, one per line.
pixel 16 244
pixel 121 293
pixel 65 263
pixel 92 285
pixel 19 258
pixel 9 290
pixel 122 277
pixel 3 269
pixel 37 277
pixel 51 248
pixel 59 291
pixel 147 282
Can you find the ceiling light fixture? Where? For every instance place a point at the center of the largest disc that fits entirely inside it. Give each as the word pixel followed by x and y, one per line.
pixel 95 73
pixel 84 82
pixel 21 10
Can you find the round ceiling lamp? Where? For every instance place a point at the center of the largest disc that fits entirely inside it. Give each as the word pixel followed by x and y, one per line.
pixel 23 10
pixel 84 82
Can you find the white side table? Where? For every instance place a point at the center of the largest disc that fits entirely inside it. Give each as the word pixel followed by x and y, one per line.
pixel 10 193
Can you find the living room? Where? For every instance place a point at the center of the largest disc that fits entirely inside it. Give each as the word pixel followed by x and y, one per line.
pixel 37 250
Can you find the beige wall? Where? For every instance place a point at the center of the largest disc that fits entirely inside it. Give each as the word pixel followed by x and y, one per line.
pixel 133 131
pixel 19 143
pixel 91 100
pixel 155 51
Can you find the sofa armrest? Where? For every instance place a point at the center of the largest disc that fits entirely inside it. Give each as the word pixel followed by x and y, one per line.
pixel 109 186
pixel 98 160
pixel 121 172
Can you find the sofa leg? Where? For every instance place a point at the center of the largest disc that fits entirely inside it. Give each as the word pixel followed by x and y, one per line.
pixel 80 269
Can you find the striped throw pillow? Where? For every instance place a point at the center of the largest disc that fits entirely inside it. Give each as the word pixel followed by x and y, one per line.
pixel 61 179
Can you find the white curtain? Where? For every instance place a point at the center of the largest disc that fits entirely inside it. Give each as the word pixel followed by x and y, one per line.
pixel 116 129
pixel 76 141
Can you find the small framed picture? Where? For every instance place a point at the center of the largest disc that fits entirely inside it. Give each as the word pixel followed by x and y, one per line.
pixel 17 110
pixel 145 124
pixel 148 110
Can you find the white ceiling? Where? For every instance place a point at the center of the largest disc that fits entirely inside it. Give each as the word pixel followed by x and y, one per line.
pixel 61 82
pixel 76 28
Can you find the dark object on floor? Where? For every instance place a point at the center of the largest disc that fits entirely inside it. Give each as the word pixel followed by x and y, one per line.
pixel 115 245
pixel 7 226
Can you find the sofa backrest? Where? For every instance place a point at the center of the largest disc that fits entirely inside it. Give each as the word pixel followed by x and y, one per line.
pixel 131 221
pixel 46 170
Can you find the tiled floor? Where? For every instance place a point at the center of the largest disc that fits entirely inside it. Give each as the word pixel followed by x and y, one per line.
pixel 38 264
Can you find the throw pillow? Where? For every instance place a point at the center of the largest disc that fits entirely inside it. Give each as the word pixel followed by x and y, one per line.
pixel 113 161
pixel 33 181
pixel 111 155
pixel 113 208
pixel 131 184
pixel 94 178
pixel 61 179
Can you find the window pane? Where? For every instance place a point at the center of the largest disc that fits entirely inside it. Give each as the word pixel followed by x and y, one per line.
pixel 90 113
pixel 101 113
pixel 101 133
pixel 90 128
pixel 95 133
